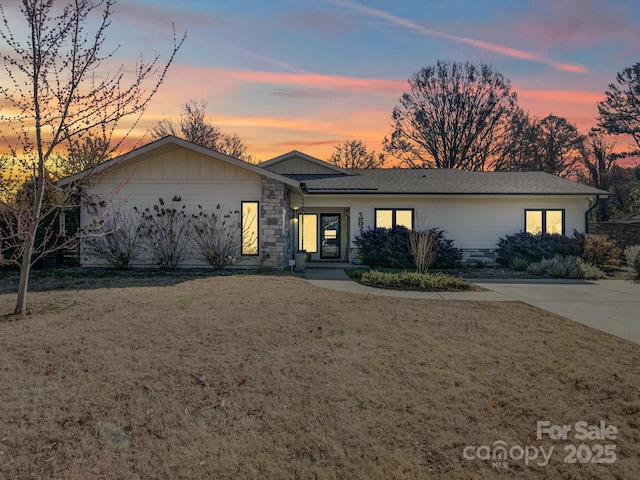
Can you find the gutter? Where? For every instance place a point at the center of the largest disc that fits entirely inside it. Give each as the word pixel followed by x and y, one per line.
pixel 586 214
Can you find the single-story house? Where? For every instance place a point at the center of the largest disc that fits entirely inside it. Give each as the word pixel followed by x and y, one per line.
pixel 298 202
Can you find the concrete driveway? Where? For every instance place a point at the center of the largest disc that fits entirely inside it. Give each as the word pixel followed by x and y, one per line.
pixel 612 306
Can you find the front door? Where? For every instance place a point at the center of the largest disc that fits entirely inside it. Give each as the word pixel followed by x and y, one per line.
pixel 330 235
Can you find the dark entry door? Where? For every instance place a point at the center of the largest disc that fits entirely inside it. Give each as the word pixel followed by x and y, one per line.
pixel 330 235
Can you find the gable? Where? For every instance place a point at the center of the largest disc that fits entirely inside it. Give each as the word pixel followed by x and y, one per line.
pixel 171 158
pixel 298 163
pixel 180 164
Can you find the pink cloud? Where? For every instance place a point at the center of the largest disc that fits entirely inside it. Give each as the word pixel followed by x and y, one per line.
pixel 569 96
pixel 500 49
pixel 316 80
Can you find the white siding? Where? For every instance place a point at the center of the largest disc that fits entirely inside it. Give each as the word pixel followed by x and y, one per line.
pixel 472 221
pixel 196 178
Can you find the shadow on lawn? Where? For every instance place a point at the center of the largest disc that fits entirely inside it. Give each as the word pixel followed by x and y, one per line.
pixel 86 279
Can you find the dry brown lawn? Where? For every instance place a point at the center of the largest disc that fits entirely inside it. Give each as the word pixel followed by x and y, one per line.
pixel 253 377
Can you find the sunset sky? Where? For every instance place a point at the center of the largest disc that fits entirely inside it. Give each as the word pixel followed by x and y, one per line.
pixel 308 75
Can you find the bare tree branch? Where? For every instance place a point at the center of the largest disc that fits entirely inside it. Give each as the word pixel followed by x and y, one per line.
pixel 57 86
pixel 455 116
pixel 197 127
pixel 353 154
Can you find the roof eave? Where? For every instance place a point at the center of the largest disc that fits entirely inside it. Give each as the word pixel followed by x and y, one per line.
pixel 371 191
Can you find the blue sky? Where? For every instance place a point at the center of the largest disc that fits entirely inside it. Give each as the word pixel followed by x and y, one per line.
pixel 307 75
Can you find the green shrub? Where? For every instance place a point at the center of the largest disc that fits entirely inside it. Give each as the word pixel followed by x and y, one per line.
pixel 537 269
pixel 385 247
pixel 482 263
pixel 557 267
pixel 632 256
pixel 448 256
pixel 412 280
pixel 601 251
pixel 518 264
pixel 390 248
pixel 534 248
pixel 590 271
pixel 565 267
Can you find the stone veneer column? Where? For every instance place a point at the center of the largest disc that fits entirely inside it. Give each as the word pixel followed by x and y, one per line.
pixel 275 245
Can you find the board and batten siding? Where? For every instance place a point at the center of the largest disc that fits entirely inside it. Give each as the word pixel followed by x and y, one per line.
pixel 297 165
pixel 473 222
pixel 197 179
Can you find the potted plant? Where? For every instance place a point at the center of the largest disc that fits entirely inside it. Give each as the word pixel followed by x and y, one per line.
pixel 301 260
pixel 358 260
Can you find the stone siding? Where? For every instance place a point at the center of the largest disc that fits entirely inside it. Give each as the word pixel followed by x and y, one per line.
pixel 470 256
pixel 275 245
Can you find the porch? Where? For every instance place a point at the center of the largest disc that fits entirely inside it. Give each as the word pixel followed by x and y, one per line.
pixel 324 233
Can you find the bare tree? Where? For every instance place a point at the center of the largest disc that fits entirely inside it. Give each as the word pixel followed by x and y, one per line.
pixel 549 145
pixel 83 154
pixel 520 149
pixel 353 154
pixel 597 166
pixel 597 160
pixel 197 127
pixel 620 110
pixel 559 145
pixel 455 116
pixel 56 87
pixel 231 144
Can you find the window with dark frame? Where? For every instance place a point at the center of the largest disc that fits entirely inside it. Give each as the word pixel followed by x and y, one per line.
pixel 250 231
pixel 392 217
pixel 544 220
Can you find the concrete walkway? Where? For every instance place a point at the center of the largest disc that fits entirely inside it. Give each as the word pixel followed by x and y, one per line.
pixel 612 306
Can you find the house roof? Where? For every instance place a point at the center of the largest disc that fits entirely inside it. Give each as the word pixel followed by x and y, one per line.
pixel 442 182
pixel 371 181
pixel 168 143
pixel 313 160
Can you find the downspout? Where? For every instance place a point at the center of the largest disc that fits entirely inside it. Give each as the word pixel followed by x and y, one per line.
pixel 301 255
pixel 586 214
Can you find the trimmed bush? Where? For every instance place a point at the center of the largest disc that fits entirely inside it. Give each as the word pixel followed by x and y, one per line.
pixel 385 247
pixel 601 251
pixel 632 256
pixel 390 248
pixel 413 280
pixel 534 248
pixel 447 256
